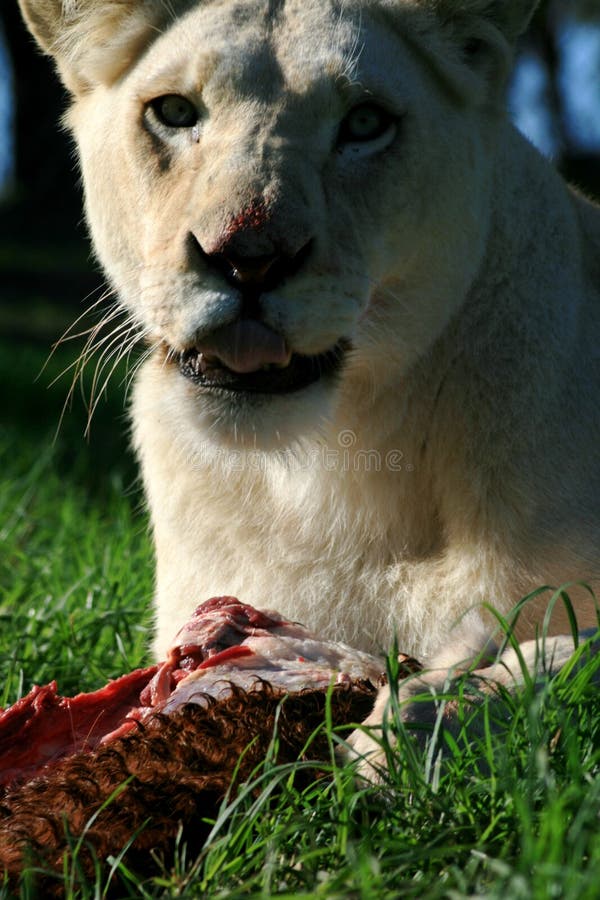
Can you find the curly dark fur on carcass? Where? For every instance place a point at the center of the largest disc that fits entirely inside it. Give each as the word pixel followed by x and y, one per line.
pixel 180 767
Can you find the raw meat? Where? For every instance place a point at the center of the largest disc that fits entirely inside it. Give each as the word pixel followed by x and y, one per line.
pixel 225 642
pixel 43 726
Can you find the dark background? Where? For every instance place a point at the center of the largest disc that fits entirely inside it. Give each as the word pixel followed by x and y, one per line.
pixel 45 267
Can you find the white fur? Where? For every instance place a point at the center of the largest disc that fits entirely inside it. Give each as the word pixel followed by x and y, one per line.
pixel 464 271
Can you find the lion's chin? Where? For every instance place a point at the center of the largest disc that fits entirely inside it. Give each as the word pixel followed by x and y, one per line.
pixel 213 409
pixel 226 421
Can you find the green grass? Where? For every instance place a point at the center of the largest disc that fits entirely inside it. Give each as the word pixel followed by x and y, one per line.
pixel 511 814
pixel 75 570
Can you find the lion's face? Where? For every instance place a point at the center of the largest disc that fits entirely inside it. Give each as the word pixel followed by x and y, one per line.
pixel 287 204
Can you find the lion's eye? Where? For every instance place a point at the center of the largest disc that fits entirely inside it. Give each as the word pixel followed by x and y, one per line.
pixel 175 111
pixel 366 122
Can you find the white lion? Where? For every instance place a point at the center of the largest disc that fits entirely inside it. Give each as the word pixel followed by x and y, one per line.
pixel 373 400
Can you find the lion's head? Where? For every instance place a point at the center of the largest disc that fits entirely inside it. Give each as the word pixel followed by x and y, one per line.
pixel 291 198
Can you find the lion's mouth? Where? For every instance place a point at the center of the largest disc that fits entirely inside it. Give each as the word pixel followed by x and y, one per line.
pixel 300 372
pixel 248 357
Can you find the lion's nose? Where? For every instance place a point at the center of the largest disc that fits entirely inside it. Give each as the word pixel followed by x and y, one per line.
pixel 254 274
pixel 248 271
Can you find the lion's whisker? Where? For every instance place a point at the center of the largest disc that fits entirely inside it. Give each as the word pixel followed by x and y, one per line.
pixel 119 354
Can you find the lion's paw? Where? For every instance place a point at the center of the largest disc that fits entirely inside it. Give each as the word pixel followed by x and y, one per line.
pixel 429 702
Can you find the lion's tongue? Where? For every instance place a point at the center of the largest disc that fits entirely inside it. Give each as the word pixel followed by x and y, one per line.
pixel 246 346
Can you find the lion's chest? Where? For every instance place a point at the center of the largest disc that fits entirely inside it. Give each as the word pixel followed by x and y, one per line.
pixel 337 550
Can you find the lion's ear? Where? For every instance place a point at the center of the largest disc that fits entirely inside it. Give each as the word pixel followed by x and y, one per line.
pixel 93 41
pixel 510 17
pixel 485 32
